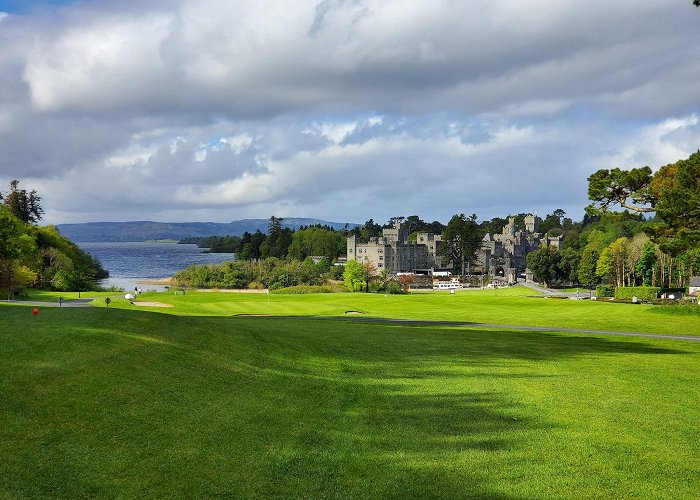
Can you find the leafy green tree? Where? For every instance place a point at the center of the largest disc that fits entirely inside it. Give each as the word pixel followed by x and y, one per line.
pixel 369 229
pixel 461 240
pixel 51 261
pixel 79 279
pixel 384 278
pixel 316 241
pixel 552 221
pixel 544 264
pixel 568 265
pixel 604 265
pixel 612 262
pixel 15 245
pixel 587 268
pixel 494 226
pixel 256 241
pixel 26 206
pixel 645 264
pixel 678 206
pixel 353 275
pixel 415 224
pixel 10 232
pixel 394 220
pixel 628 188
pixel 673 192
pixel 370 273
pixel 691 263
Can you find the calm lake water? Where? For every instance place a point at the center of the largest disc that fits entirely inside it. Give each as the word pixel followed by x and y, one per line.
pixel 129 263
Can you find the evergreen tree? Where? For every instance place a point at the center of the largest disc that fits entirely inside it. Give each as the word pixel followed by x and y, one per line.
pixel 645 264
pixel 26 206
pixel 461 241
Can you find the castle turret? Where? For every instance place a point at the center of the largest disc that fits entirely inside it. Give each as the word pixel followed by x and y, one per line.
pixel 510 228
pixel 532 223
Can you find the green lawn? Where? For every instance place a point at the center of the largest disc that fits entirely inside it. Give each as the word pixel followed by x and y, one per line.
pixel 133 403
pixel 508 306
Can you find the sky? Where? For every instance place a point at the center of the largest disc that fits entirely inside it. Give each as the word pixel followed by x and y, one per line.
pixel 344 110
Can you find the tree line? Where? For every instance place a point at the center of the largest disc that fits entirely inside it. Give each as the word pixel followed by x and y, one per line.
pixel 629 247
pixel 654 240
pixel 36 256
pixel 271 273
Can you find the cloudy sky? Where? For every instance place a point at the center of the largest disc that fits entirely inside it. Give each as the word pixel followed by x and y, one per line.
pixel 215 110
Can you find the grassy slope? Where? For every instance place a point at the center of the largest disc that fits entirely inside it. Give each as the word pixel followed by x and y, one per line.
pixel 506 306
pixel 99 401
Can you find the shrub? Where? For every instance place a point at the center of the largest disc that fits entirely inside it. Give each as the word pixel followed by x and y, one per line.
pixel 393 287
pixel 604 291
pixel 643 293
pixel 405 281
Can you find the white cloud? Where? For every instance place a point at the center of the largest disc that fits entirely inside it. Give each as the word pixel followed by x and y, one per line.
pixel 200 107
pixel 657 144
pixel 100 65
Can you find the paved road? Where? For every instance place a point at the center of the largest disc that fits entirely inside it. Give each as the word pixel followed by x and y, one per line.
pixel 469 324
pixel 548 292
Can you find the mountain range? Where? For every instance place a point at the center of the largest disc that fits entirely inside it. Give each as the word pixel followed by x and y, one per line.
pixel 149 230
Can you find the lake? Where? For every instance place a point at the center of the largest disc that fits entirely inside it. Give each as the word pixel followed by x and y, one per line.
pixel 130 263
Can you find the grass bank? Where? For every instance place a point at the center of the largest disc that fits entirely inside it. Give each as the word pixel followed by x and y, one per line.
pixel 98 402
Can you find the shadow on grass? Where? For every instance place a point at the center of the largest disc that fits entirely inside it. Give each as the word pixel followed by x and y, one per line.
pixel 456 342
pixel 150 404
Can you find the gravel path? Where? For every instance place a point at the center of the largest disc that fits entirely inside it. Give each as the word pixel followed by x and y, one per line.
pixel 468 324
pixel 67 303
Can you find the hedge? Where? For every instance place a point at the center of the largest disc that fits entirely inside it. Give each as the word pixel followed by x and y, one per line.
pixel 643 293
pixel 604 291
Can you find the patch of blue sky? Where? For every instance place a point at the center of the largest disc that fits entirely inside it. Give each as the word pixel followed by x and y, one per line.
pixel 19 7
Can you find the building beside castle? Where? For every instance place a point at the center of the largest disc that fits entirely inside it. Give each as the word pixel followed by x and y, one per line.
pixel 505 255
pixel 395 253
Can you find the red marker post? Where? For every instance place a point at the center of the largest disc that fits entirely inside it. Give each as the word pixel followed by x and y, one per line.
pixel 35 311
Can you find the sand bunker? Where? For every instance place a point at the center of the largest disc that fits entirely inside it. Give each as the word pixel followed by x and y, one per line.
pixel 152 304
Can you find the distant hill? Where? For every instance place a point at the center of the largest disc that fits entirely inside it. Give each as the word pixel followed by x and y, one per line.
pixel 148 230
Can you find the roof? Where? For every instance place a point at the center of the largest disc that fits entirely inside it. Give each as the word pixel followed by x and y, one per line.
pixel 695 281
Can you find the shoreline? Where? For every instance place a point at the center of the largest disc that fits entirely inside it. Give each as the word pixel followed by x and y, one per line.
pixel 155 281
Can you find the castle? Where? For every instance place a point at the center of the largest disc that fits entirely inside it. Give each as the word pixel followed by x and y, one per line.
pixel 505 255
pixel 395 253
pixel 502 256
